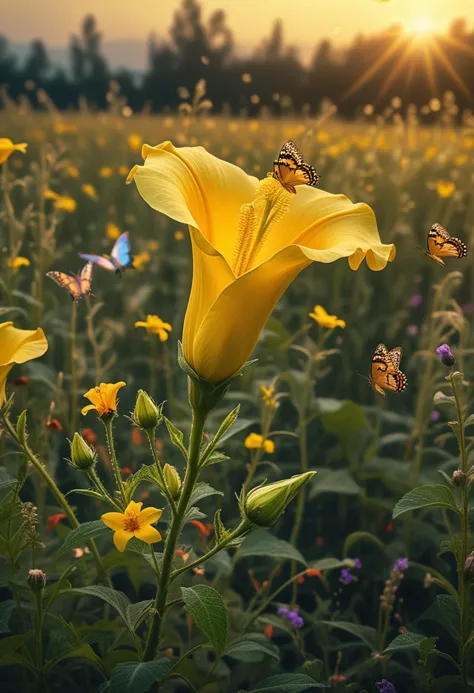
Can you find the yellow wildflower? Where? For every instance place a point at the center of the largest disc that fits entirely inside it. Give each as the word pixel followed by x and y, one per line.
pixel 17 262
pixel 106 172
pixel 268 396
pixel 254 441
pixel 113 231
pixel 89 190
pixel 325 320
pixel 72 171
pixel 7 148
pixel 134 522
pixel 140 260
pixel 250 239
pixel 179 235
pixel 445 188
pixel 135 142
pixel 155 325
pixel 64 128
pixel 18 346
pixel 103 398
pixel 66 204
pixel 461 159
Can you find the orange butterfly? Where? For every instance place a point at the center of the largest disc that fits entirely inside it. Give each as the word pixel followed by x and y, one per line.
pixel 442 244
pixel 77 285
pixel 290 169
pixel 385 373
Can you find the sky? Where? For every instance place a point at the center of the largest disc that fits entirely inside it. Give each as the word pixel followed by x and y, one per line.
pixel 305 21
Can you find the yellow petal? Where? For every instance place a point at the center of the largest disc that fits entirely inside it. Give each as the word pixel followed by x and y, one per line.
pixel 19 346
pixel 111 390
pixel 196 188
pixel 149 516
pixel 134 507
pixel 113 520
pixel 86 410
pixel 121 539
pixel 148 534
pixel 4 371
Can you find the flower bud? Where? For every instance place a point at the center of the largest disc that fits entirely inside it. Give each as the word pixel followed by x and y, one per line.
pixel 146 414
pixel 82 456
pixel 469 566
pixel 173 481
pixel 459 478
pixel 446 355
pixel 265 504
pixel 36 579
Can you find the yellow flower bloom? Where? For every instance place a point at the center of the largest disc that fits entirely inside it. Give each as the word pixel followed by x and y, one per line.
pixel 17 262
pixel 7 148
pixel 66 204
pixel 113 231
pixel 73 171
pixel 89 190
pixel 325 320
pixel 135 142
pixel 250 240
pixel 268 396
pixel 103 398
pixel 106 172
pixel 134 522
pixel 140 260
pixel 155 325
pixel 445 188
pixel 18 346
pixel 254 442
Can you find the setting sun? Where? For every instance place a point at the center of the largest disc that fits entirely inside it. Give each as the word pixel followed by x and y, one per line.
pixel 422 26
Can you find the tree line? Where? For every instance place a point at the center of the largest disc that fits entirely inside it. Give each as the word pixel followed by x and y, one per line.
pixel 373 69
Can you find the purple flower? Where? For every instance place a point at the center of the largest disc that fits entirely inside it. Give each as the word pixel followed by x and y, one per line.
pixel 416 301
pixel 400 565
pixel 346 577
pixel 385 686
pixel 435 415
pixel 357 563
pixel 292 616
pixel 446 356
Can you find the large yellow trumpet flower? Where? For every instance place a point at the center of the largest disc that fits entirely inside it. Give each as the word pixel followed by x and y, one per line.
pixel 18 346
pixel 250 239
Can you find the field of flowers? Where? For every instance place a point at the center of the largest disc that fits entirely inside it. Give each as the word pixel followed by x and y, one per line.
pixel 150 554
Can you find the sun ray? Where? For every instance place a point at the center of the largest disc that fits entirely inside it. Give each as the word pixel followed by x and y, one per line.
pixel 442 56
pixel 428 60
pixel 405 58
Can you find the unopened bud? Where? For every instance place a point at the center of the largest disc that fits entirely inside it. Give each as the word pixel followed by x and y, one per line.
pixel 173 481
pixel 469 566
pixel 459 478
pixel 445 354
pixel 264 505
pixel 82 456
pixel 36 579
pixel 146 414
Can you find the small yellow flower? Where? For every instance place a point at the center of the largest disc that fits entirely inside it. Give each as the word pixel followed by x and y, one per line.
pixel 66 204
pixel 135 142
pixel 268 396
pixel 106 172
pixel 113 231
pixel 7 148
pixel 140 260
pixel 73 171
pixel 123 170
pixel 179 235
pixel 324 320
pixel 254 441
pixel 17 262
pixel 155 325
pixel 445 188
pixel 134 522
pixel 89 190
pixel 103 398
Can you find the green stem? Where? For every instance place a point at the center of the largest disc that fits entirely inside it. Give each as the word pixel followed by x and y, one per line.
pixel 150 433
pixel 107 421
pixel 192 471
pixel 72 351
pixel 93 341
pixel 272 596
pixel 94 477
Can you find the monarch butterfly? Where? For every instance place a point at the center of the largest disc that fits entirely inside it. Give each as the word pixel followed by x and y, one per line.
pixel 290 169
pixel 77 285
pixel 385 373
pixel 441 244
pixel 120 257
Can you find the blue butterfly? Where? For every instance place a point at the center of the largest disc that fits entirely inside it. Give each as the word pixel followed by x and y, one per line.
pixel 120 258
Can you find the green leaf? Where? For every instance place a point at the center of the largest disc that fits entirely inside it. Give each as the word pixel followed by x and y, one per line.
pixel 287 683
pixel 263 543
pixel 365 633
pixel 13 643
pixel 138 677
pixel 136 612
pixel 220 531
pixel 346 421
pixel 252 647
pixel 328 564
pixel 202 490
pixel 87 492
pixel 82 534
pixel 6 481
pixel 146 473
pixel 450 614
pixel 436 496
pixel 405 641
pixel 215 458
pixel 116 599
pixel 207 608
pixel 337 481
pixel 228 422
pixel 177 437
pixel 428 646
pixel 6 610
pixel 237 427
pixel 21 428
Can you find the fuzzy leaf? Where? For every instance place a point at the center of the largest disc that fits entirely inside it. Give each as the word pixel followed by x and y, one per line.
pixel 138 677
pixel 436 496
pixel 82 534
pixel 207 608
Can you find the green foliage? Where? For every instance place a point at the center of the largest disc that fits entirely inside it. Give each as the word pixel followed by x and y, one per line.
pixel 207 608
pixel 426 497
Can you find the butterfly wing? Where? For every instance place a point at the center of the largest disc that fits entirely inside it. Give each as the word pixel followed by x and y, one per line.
pixel 85 279
pixel 291 170
pixel 68 282
pixel 442 244
pixel 385 372
pixel 121 252
pixel 100 260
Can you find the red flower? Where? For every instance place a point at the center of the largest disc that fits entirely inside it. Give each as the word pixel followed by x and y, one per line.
pixel 204 530
pixel 21 380
pixel 300 580
pixel 53 521
pixel 89 436
pixel 127 471
pixel 312 572
pixel 389 527
pixel 268 630
pixel 136 436
pixel 183 554
pixel 54 425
